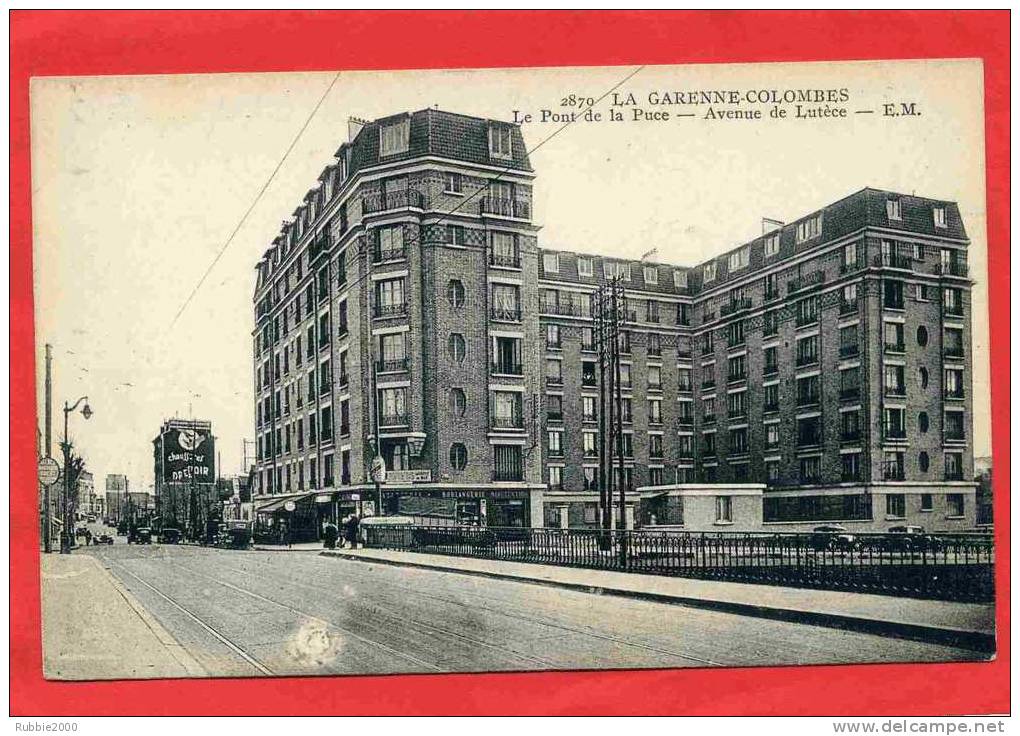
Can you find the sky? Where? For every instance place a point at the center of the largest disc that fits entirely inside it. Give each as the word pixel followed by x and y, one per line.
pixel 139 181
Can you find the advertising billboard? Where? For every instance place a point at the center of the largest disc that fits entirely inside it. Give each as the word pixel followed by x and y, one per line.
pixel 188 455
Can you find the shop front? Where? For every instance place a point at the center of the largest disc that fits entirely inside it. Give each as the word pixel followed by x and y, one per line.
pixel 439 504
pixel 290 519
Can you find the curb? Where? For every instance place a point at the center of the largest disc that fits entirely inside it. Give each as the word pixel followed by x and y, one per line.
pixel 177 651
pixel 978 641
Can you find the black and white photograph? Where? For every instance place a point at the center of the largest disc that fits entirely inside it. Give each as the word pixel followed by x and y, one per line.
pixel 351 373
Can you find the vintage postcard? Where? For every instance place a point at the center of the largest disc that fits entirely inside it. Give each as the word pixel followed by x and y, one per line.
pixel 502 370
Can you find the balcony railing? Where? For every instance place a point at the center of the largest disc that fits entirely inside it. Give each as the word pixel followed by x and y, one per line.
pixel 708 419
pixel 892 471
pixel 952 310
pixel 955 435
pixel 846 268
pixel 849 351
pixel 897 390
pixel 736 413
pixel 565 308
pixel 852 392
pixel 894 260
pixel 894 433
pixel 554 416
pixel 345 431
pixel 506 314
pixel 685 388
pixel 771 295
pixel 389 253
pixel 735 305
pixel 953 351
pixel 771 369
pixel 589 381
pixel 390 310
pixel 506 368
pixel 324 388
pixel 805 282
pixel 808 400
pixel 505 260
pixel 392 201
pixel 518 208
pixel 392 365
pixel 806 360
pixel 854 436
pixel 684 354
pixel 954 393
pixel 895 347
pixel 953 268
pixel 393 420
pixel 554 380
pixel 588 418
pixel 848 307
pixel 737 377
pixel 771 408
pixel 708 383
pixel 514 422
pixel 685 420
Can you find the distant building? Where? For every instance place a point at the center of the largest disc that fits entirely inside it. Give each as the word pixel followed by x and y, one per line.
pixel 85 491
pixel 184 454
pixel 117 487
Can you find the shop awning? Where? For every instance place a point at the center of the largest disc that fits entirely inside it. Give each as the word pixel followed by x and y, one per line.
pixel 274 506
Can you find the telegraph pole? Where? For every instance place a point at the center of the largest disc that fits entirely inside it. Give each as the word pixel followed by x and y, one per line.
pixel 47 511
pixel 600 345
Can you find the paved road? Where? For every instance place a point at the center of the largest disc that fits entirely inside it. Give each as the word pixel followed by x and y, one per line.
pixel 242 613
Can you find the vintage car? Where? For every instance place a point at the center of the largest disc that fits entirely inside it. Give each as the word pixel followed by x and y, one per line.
pixel 103 539
pixel 169 535
pixel 909 538
pixel 140 535
pixel 832 537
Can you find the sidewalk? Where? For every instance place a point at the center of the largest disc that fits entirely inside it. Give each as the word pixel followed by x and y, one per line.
pixel 94 629
pixel 297 547
pixel 966 625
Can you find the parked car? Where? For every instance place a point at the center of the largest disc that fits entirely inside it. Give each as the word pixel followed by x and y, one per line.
pixel 169 535
pixel 140 535
pixel 909 538
pixel 103 539
pixel 832 537
pixel 79 531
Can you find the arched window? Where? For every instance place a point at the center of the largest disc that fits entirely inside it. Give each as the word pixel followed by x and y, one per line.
pixel 922 336
pixel 457 347
pixel 458 456
pixel 923 462
pixel 458 402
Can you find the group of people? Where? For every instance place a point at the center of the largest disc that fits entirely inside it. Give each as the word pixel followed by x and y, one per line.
pixel 331 537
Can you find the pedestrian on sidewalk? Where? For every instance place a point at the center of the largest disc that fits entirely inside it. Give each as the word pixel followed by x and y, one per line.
pixel 286 534
pixel 353 523
pixel 88 538
pixel 329 534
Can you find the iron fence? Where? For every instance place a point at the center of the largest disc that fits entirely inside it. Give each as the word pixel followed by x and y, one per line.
pixel 940 566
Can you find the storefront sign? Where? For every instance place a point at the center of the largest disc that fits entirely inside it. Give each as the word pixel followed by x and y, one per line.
pixel 409 476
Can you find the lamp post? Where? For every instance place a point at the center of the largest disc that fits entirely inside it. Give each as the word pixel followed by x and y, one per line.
pixel 65 532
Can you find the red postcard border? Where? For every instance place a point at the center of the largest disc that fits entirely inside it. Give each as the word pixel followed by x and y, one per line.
pixel 49 43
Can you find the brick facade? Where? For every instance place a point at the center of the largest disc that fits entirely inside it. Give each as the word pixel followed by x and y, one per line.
pixel 742 369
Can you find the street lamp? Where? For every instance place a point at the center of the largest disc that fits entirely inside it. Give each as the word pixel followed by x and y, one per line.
pixel 65 532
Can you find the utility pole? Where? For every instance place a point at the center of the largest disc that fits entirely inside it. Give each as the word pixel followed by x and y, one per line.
pixel 618 303
pixel 47 511
pixel 598 308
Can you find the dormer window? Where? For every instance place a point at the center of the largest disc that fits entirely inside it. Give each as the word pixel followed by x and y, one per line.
pixel 809 228
pixel 499 141
pixel 584 266
pixel 394 138
pixel 551 262
pixel 709 272
pixel 680 279
pixel 740 259
pixel 892 209
pixel 651 275
pixel 772 245
pixel 613 269
pixel 939 214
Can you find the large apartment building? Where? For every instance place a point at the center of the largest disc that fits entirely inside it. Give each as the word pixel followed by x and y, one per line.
pixel 408 300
